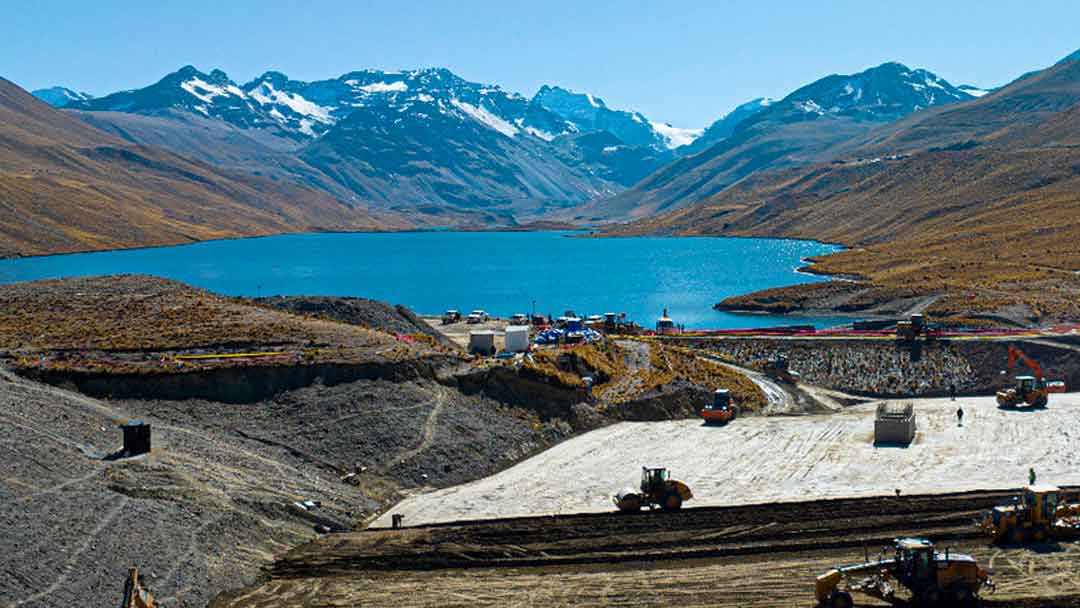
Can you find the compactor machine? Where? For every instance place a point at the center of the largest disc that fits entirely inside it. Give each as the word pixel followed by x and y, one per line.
pixel 930 578
pixel 722 410
pixel 1039 514
pixel 779 369
pixel 657 490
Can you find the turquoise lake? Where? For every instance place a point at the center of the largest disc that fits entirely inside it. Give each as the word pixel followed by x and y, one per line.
pixel 500 272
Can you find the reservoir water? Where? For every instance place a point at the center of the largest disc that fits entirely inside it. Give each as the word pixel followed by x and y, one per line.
pixel 500 272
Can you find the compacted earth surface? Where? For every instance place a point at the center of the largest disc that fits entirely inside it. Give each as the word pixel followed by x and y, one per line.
pixel 761 555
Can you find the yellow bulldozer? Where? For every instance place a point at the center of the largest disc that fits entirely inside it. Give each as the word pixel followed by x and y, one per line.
pixel 135 595
pixel 1039 514
pixel 930 578
pixel 657 490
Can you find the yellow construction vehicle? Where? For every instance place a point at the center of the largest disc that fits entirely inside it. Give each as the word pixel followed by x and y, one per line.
pixel 1029 390
pixel 909 331
pixel 1037 515
pixel 778 369
pixel 931 579
pixel 135 596
pixel 657 490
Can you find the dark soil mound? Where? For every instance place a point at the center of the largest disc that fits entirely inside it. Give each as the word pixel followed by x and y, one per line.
pixel 356 311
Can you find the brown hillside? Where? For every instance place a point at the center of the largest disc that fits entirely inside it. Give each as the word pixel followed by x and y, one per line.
pixel 984 213
pixel 66 186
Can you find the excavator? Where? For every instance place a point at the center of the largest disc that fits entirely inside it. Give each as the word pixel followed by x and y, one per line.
pixel 932 579
pixel 1037 515
pixel 1031 391
pixel 657 490
pixel 135 595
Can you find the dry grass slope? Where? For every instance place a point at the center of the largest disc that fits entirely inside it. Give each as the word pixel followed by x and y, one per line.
pixel 66 187
pixel 990 222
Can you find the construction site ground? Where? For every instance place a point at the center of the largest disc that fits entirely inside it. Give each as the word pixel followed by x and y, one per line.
pixel 216 499
pixel 779 458
pixel 761 555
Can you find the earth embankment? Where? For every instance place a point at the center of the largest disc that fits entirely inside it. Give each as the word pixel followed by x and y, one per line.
pixel 753 555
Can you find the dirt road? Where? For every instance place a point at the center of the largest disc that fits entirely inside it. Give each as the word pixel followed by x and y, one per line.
pixel 760 459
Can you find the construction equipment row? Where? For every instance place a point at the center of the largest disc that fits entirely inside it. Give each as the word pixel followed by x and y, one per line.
pixel 931 579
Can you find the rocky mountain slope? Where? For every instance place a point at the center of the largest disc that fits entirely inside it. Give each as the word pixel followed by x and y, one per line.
pixel 973 204
pixel 425 142
pixel 66 186
pixel 806 126
pixel 723 127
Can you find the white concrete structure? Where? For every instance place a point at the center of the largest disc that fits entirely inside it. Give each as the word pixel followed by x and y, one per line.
pixel 517 338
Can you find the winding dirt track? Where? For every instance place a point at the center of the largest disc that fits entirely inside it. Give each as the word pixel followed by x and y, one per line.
pixel 750 555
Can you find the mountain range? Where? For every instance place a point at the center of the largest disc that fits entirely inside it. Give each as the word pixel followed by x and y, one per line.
pixel 971 206
pixel 813 123
pixel 67 186
pixel 442 150
pixel 423 142
pixel 383 149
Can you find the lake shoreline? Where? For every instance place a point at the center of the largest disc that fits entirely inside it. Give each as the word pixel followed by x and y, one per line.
pixel 501 271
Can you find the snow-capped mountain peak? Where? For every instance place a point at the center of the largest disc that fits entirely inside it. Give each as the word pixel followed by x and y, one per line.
pixel 676 136
pixel 974 91
pixel 884 92
pixel 60 97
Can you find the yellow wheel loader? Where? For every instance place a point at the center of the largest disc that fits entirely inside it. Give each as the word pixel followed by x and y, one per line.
pixel 1037 515
pixel 932 579
pixel 1030 391
pixel 657 490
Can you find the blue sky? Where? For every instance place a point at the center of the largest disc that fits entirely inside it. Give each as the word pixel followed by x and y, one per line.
pixel 680 62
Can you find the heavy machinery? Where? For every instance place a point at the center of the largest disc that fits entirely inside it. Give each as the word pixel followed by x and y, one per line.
pixel 1037 515
pixel 778 369
pixel 911 330
pixel 657 490
pixel 135 596
pixel 932 579
pixel 722 410
pixel 1029 390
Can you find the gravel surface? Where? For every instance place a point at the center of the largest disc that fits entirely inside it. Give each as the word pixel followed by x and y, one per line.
pixel 213 503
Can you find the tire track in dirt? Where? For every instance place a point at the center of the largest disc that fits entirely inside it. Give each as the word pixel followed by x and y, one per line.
pixel 427 436
pixel 74 556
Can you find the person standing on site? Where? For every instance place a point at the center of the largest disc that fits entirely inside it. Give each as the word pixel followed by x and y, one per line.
pixel 952 391
pixel 1031 476
pixel 960 416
